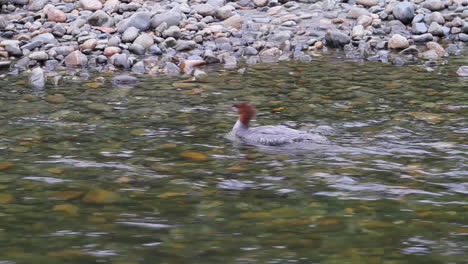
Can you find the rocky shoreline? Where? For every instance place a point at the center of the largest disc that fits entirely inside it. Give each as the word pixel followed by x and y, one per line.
pixel 174 37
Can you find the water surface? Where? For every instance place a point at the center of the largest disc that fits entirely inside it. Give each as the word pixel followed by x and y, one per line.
pixel 91 172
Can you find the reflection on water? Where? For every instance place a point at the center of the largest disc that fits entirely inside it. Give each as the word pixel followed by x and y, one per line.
pixel 93 172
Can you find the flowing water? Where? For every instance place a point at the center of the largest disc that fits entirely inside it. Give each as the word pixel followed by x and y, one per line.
pixel 92 172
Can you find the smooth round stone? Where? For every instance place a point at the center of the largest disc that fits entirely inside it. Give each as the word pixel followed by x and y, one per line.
pixel 56 15
pixel 234 21
pixel 130 34
pixel 92 5
pixel 172 31
pixel 435 29
pixel 140 20
pixel 398 41
pixel 109 51
pixel 419 28
pixel 171 18
pixel 204 9
pixel 114 41
pixel 13 50
pixel 89 44
pixel 433 5
pixel 124 79
pixel 368 3
pixel 145 40
pixel 356 12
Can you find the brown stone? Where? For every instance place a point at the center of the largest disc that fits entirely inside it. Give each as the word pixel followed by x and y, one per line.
pixel 109 51
pixel 76 58
pixel 89 44
pixel 56 15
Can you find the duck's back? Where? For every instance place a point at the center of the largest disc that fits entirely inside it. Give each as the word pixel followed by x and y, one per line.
pixel 277 136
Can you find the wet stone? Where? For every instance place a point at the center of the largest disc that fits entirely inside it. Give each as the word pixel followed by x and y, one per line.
pixel 37 78
pixel 124 79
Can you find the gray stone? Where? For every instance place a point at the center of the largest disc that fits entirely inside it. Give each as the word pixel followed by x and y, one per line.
pixel 250 51
pixel 50 65
pixel 418 18
pixel 434 5
pixel 140 20
pixel 465 27
pixel 124 79
pixel 171 69
pixel 37 78
pixel 183 45
pixel 136 49
pixel 130 34
pixel 216 3
pixel 423 38
pixel 58 30
pixel 281 36
pixel 3 22
pixel 436 29
pixel 463 37
pixel 45 38
pixel 100 18
pixel 463 71
pixel 404 12
pixel 37 5
pixel 20 2
pixel 356 12
pixel 170 42
pixel 155 50
pixel 114 41
pixel 434 17
pixel 419 28
pixel 121 60
pixel 63 50
pixel 171 18
pixel 204 9
pixel 139 68
pixel 336 39
pixel 145 40
pixel 101 59
pixel 429 55
pixel 224 12
pixel 13 50
pixel 172 31
pixel 38 55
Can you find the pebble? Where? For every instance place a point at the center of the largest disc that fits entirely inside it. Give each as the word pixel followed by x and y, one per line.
pixel 433 5
pixel 100 18
pixel 435 29
pixel 92 5
pixel 76 58
pixel 145 40
pixel 234 21
pixel 356 12
pixel 109 51
pixel 130 34
pixel 89 44
pixel 56 15
pixel 140 20
pixel 171 18
pixel 398 41
pixel 124 79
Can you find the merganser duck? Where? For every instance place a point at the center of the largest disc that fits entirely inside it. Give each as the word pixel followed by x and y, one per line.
pixel 266 135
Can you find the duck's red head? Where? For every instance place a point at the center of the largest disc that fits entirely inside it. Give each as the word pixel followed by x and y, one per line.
pixel 246 112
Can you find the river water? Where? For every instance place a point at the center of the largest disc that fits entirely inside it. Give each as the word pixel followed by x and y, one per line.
pixel 93 172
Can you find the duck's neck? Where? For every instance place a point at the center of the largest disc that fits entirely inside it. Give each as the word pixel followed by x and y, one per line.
pixel 240 126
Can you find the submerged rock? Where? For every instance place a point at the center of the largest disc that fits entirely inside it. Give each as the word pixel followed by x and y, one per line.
pixel 463 71
pixel 37 78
